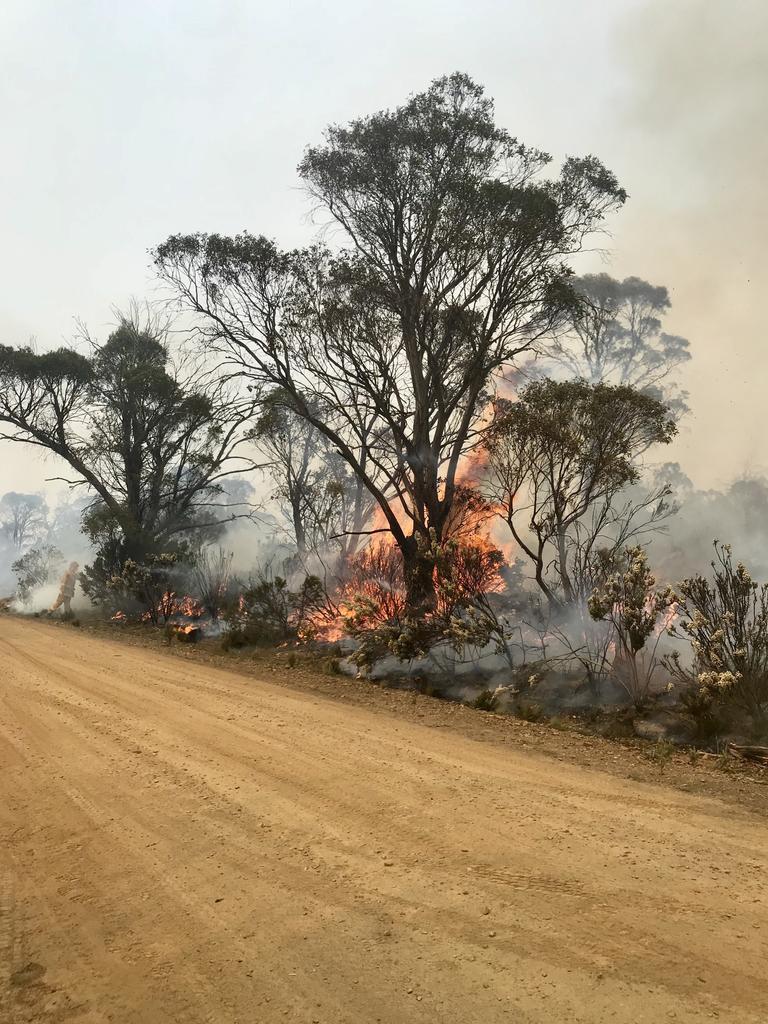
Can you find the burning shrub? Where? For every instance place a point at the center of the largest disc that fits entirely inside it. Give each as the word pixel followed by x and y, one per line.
pixel 374 590
pixel 269 612
pixel 726 622
pixel 629 601
pixel 379 614
pixel 36 568
pixel 212 575
pixel 147 585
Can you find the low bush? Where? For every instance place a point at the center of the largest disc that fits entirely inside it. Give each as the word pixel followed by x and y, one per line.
pixel 147 586
pixel 268 612
pixel 530 712
pixel 726 623
pixel 629 600
pixel 660 753
pixel 486 701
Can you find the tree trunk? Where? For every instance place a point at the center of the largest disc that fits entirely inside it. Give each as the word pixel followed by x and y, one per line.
pixel 562 558
pixel 419 571
pixel 298 527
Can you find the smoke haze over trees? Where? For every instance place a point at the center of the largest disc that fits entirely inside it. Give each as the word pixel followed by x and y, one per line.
pixel 617 338
pixel 380 379
pixel 671 98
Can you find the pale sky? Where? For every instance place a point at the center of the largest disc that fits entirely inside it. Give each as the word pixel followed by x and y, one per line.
pixel 125 122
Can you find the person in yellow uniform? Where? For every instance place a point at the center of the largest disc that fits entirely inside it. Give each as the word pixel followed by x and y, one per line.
pixel 66 590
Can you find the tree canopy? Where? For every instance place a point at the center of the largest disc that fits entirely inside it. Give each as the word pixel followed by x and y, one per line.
pixel 22 518
pixel 325 504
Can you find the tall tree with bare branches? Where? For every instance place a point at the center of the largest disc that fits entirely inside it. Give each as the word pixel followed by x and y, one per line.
pixel 452 261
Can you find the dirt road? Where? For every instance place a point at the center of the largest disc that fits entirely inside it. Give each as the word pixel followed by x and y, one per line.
pixel 180 843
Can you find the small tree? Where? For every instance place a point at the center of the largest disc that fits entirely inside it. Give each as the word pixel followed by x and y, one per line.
pixel 726 623
pixel 36 568
pixel 638 612
pixel 558 458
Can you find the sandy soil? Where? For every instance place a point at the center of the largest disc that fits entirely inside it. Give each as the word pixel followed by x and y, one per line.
pixel 183 843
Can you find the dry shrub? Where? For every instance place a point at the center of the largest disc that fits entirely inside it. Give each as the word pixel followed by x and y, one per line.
pixel 212 576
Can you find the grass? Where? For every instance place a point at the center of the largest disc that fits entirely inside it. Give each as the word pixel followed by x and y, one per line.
pixel 660 753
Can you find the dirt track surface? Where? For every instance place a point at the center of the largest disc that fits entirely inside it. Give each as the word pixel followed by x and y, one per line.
pixel 182 844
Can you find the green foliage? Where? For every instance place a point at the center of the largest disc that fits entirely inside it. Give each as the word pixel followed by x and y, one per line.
pixel 630 600
pixel 486 701
pixel 148 438
pixel 557 460
pixel 700 706
pixel 593 431
pixel 64 368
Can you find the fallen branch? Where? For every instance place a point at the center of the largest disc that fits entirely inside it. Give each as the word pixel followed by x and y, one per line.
pixel 758 755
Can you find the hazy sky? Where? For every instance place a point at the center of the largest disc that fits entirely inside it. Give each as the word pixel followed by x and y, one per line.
pixel 125 122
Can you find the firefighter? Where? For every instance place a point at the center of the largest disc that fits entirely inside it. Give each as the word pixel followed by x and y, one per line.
pixel 66 590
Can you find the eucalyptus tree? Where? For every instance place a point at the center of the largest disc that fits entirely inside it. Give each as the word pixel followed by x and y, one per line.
pixel 558 461
pixel 617 337
pixel 447 258
pixel 23 518
pixel 325 505
pixel 151 441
